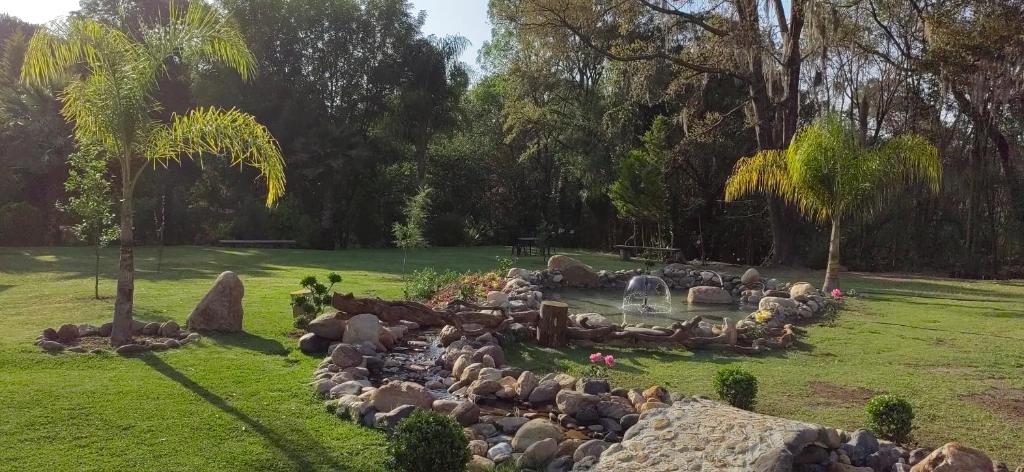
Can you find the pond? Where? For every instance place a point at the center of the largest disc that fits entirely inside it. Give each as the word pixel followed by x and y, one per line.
pixel 609 304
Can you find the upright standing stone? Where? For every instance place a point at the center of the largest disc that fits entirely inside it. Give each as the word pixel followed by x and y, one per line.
pixel 221 307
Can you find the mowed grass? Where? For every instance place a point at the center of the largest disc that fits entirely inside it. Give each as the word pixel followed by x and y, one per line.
pixel 954 348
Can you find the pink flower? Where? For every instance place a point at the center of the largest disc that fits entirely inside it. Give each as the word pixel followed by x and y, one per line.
pixel 836 293
pixel 609 360
pixel 595 357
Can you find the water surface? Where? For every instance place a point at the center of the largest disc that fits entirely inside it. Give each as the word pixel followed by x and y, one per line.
pixel 609 304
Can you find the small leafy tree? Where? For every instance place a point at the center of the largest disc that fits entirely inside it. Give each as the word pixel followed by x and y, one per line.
pixel 313 303
pixel 90 201
pixel 639 191
pixel 409 234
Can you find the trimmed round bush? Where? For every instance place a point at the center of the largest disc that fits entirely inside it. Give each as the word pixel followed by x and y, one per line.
pixel 429 442
pixel 737 387
pixel 890 417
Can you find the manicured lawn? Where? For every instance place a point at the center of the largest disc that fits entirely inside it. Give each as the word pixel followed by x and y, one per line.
pixel 240 402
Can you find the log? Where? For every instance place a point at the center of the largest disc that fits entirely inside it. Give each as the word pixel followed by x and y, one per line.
pixel 552 324
pixel 392 312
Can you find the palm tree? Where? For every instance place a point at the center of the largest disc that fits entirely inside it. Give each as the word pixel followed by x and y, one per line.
pixel 829 176
pixel 110 101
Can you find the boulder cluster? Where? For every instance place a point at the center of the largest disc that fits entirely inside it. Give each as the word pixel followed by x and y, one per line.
pixel 154 336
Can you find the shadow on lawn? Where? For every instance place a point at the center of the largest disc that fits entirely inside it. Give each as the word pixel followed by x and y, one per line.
pixel 251 342
pixel 298 447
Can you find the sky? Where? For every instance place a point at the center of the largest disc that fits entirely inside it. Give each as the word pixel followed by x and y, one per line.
pixel 444 17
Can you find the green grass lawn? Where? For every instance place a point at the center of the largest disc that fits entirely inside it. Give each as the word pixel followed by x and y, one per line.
pixel 955 349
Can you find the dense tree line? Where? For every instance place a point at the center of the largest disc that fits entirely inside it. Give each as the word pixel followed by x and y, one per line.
pixel 590 122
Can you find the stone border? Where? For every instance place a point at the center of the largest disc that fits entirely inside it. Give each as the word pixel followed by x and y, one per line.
pixel 67 336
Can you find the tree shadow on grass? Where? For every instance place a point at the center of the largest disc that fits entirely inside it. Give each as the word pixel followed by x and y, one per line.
pixel 251 342
pixel 297 447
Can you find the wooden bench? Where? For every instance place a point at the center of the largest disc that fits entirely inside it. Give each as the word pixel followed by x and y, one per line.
pixel 626 252
pixel 271 243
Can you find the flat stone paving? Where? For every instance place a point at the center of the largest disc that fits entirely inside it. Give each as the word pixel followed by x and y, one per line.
pixel 704 435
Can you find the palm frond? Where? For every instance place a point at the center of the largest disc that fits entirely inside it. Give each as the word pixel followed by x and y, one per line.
pixel 765 172
pixel 215 131
pixel 201 33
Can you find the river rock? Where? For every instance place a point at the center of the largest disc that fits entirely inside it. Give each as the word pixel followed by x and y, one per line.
pixel 544 392
pixel 953 457
pixel 221 308
pixel 574 272
pixel 500 449
pixel 310 343
pixel 778 305
pixel 800 291
pixel 579 405
pixel 479 464
pixel 525 385
pixel 347 355
pixel 539 453
pixel 130 349
pixel 494 351
pixel 534 431
pixel 328 326
pixel 67 333
pixel 364 328
pixel 449 334
pixel 751 276
pixel 51 346
pixel 703 295
pixel 862 444
pixel 394 394
pixel 169 329
pixel 592 448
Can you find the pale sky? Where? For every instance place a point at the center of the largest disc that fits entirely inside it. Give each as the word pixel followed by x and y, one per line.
pixel 463 17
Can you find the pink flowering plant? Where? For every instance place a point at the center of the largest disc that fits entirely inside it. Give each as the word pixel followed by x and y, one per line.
pixel 599 364
pixel 836 293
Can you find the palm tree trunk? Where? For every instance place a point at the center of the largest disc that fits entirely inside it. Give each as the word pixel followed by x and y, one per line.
pixel 121 333
pixel 832 271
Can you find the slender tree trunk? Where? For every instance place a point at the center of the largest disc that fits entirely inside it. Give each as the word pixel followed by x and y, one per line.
pixel 832 270
pixel 121 333
pixel 96 279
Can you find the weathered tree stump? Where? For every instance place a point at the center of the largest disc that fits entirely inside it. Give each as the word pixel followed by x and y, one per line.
pixel 552 324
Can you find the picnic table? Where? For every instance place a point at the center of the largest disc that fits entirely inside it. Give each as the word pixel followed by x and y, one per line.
pixel 626 251
pixel 271 243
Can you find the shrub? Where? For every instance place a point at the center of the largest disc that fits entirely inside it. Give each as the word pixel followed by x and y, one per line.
pixel 429 442
pixel 423 284
pixel 890 417
pixel 737 387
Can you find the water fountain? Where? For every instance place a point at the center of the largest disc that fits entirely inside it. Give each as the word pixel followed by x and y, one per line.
pixel 647 296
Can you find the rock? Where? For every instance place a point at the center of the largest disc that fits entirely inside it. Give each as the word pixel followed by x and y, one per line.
pixel 539 453
pixel 517 273
pixel 615 408
pixel 346 355
pixel 678 438
pixel 489 373
pixel 525 385
pixel 479 464
pixel 496 298
pixel 483 430
pixel 351 387
pixel 78 349
pixel 841 467
pixel 510 424
pixel 592 448
pixel 953 457
pixel 778 305
pixel 51 346
pixel 130 349
pixel 534 431
pixel 490 350
pixel 918 455
pixel 478 447
pixel 105 329
pixel 151 329
pixel 574 272
pixel 328 326
pixel 593 386
pixel 364 328
pixel 471 372
pixel 500 449
pixel 310 343
pixel 460 364
pixel 703 295
pixel 800 291
pixel 169 329
pixel 628 421
pixel 544 392
pixel 578 405
pixel 483 387
pixel 751 276
pixel 466 413
pixel 391 419
pixel 395 393
pixel 862 444
pixel 559 464
pixel 50 334
pixel 449 334
pixel 67 333
pixel 221 308
pixel 656 393
pixel 592 320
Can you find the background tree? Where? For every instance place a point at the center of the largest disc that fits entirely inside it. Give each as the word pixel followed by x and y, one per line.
pixel 109 100
pixel 409 234
pixel 639 192
pixel 91 202
pixel 829 176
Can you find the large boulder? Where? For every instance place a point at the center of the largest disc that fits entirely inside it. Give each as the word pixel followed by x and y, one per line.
pixel 953 457
pixel 328 326
pixel 535 431
pixel 221 307
pixel 800 291
pixel 704 295
pixel 696 434
pixel 347 355
pixel 578 405
pixel 310 343
pixel 574 272
pixel 394 394
pixel 361 329
pixel 778 305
